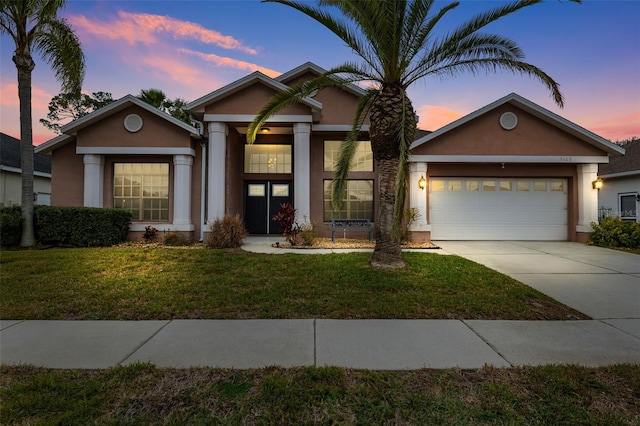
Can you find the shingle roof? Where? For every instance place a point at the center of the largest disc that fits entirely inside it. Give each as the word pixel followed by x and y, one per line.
pixel 10 155
pixel 629 162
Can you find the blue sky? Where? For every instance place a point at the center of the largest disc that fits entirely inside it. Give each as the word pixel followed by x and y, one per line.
pixel 190 48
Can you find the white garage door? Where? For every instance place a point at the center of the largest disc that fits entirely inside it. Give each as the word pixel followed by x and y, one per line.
pixel 498 209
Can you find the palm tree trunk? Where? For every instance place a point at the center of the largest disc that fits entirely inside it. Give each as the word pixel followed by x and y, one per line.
pixel 387 252
pixel 25 66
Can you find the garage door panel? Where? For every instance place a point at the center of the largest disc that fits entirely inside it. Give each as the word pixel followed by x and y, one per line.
pixel 498 209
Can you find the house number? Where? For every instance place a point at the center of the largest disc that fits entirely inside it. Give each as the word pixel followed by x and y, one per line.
pixel 565 159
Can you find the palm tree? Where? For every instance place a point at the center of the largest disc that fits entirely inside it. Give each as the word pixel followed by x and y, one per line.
pixel 34 25
pixel 397 45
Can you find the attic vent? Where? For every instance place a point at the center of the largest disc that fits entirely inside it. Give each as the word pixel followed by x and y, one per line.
pixel 133 123
pixel 508 121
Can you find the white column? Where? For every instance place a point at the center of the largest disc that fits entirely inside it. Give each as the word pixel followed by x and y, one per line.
pixel 301 172
pixel 93 180
pixel 587 197
pixel 182 189
pixel 418 197
pixel 216 167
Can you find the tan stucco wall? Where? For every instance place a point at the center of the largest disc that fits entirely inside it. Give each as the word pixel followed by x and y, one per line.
pixel 155 132
pixel 67 176
pixel 485 136
pixel 250 100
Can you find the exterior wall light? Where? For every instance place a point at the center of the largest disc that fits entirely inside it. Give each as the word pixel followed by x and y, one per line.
pixel 597 184
pixel 422 183
pixel 265 130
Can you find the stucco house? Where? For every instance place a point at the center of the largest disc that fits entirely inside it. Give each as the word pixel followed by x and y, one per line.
pixel 620 192
pixel 511 170
pixel 11 174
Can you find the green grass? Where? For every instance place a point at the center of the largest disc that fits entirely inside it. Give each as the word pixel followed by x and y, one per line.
pixel 134 283
pixel 143 395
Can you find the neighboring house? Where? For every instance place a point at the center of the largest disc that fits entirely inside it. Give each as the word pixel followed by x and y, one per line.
pixel 620 191
pixel 11 174
pixel 511 170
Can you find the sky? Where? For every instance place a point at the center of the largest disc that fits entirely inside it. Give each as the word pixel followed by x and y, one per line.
pixel 191 48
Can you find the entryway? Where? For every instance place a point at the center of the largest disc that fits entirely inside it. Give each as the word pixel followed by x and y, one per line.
pixel 262 201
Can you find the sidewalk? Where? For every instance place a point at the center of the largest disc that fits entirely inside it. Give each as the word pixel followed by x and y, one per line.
pixel 601 283
pixel 368 344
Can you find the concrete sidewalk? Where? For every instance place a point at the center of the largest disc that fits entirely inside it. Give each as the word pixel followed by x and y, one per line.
pixel 368 344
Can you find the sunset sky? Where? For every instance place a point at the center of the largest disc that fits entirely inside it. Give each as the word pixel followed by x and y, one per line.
pixel 190 48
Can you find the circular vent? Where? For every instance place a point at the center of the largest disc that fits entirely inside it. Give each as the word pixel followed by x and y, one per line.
pixel 508 120
pixel 133 123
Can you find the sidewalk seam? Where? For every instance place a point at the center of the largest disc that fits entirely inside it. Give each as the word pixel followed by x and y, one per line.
pixel 137 348
pixel 487 343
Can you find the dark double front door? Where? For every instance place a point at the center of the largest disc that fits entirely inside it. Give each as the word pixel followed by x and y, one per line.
pixel 262 200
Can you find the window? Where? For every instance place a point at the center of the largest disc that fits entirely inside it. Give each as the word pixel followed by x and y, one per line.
pixel 488 185
pixel 143 189
pixel 357 204
pixel 472 185
pixel 362 160
pixel 628 206
pixel 454 185
pixel 523 185
pixel 274 159
pixel 506 185
pixel 540 186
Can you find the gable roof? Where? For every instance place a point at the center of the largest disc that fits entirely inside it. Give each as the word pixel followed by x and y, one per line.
pixel 315 69
pixel 536 111
pixel 228 90
pixel 70 130
pixel 626 165
pixel 10 156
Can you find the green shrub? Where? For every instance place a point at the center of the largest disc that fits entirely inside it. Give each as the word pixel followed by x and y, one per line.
pixel 615 232
pixel 307 232
pixel 81 226
pixel 228 232
pixel 150 234
pixel 173 238
pixel 10 226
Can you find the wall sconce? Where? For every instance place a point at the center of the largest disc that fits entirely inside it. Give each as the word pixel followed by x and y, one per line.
pixel 597 184
pixel 265 130
pixel 422 183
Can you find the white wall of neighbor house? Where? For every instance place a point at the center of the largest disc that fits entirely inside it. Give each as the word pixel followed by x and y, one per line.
pixel 587 197
pixel 612 189
pixel 11 188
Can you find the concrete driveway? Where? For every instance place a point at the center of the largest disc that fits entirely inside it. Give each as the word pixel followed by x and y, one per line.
pixel 602 283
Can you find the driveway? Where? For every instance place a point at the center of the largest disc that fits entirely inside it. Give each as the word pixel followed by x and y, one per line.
pixel 602 283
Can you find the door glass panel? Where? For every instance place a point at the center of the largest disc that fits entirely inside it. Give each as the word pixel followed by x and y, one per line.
pixel 455 185
pixel 506 185
pixel 472 185
pixel 523 185
pixel 488 185
pixel 280 190
pixel 256 190
pixel 557 185
pixel 540 185
pixel 437 185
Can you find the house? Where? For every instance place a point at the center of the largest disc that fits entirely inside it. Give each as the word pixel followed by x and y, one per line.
pixel 620 192
pixel 511 170
pixel 11 174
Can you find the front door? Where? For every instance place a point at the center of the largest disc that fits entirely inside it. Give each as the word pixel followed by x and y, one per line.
pixel 262 201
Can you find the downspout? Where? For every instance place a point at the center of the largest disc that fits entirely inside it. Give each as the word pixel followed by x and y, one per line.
pixel 203 175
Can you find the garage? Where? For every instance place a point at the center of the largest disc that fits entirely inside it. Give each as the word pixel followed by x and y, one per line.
pixel 462 208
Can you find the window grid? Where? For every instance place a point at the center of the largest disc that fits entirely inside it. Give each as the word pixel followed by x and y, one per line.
pixel 357 204
pixel 362 160
pixel 272 158
pixel 142 189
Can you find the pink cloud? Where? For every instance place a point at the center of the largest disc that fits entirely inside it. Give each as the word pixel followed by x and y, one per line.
pixel 621 127
pixel 10 112
pixel 143 28
pixel 231 63
pixel 432 117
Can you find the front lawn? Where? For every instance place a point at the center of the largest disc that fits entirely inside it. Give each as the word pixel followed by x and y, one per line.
pixel 140 283
pixel 147 395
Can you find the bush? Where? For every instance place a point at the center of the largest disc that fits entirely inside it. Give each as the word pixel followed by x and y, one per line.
pixel 286 217
pixel 81 226
pixel 173 238
pixel 307 232
pixel 10 226
pixel 614 232
pixel 150 234
pixel 228 232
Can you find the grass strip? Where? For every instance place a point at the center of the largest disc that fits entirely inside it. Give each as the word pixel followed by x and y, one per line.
pixel 159 284
pixel 144 394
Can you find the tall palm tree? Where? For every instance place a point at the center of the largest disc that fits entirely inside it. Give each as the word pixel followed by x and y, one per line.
pixel 397 45
pixel 35 26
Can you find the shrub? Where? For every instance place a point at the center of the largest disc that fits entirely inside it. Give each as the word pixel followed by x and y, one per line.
pixel 614 232
pixel 286 217
pixel 173 238
pixel 228 232
pixel 81 226
pixel 10 226
pixel 307 232
pixel 410 216
pixel 150 234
